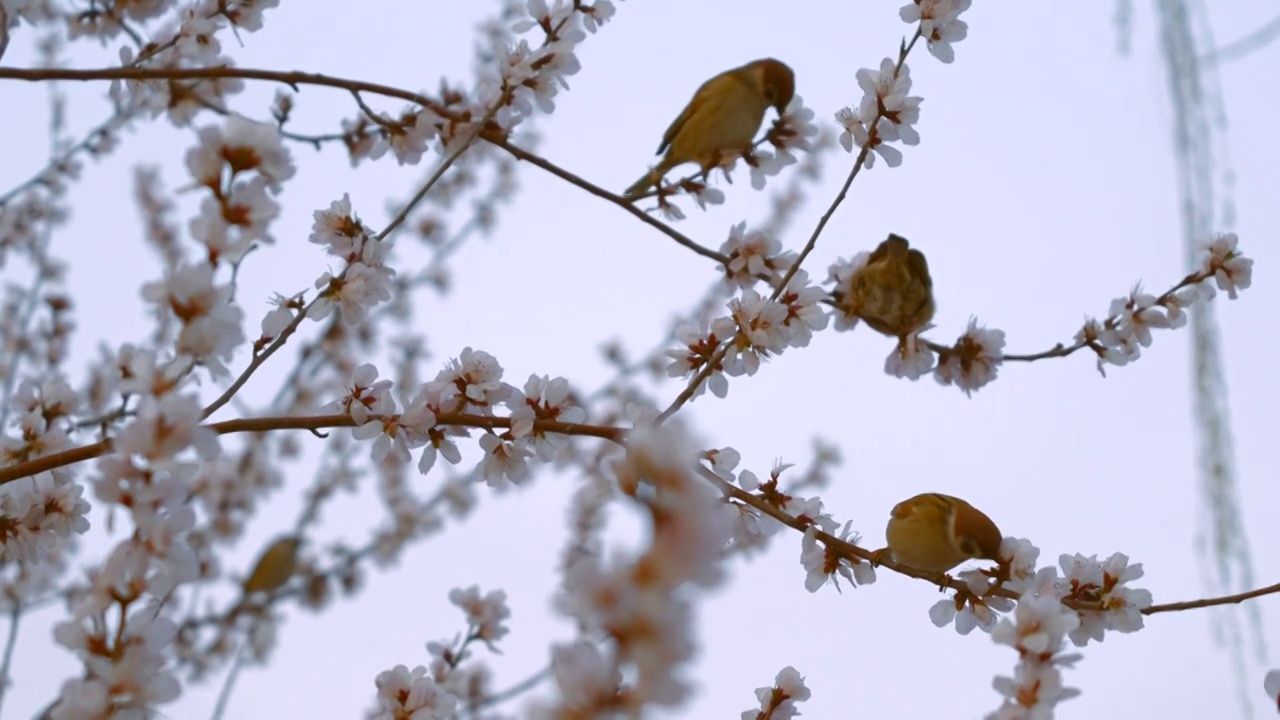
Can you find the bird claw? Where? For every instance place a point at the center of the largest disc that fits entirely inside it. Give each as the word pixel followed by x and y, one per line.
pixel 878 556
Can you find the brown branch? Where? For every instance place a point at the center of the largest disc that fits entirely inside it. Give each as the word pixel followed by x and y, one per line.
pixel 600 192
pixel 295 79
pixel 1061 350
pixel 851 551
pixel 1211 602
pixel 292 78
pixel 258 358
pixel 612 434
pixel 16 471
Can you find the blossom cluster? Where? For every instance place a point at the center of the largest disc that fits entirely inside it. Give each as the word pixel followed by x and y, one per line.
pixel 1038 631
pixel 44 512
pixel 757 327
pixel 518 79
pixel 189 39
pixel 750 529
pixel 472 384
pixel 976 356
pixel 779 701
pixel 641 603
pixel 940 24
pixel 887 113
pixel 1118 340
pixel 241 165
pixel 210 329
pixel 1079 600
pixel 362 284
pixel 120 626
pixel 1099 589
pixel 448 683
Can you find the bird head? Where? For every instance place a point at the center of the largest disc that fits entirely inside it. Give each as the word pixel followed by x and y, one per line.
pixel 973 533
pixel 894 246
pixel 777 82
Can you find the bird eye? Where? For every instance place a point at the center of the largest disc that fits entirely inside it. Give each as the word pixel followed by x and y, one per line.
pixel 770 94
pixel 969 547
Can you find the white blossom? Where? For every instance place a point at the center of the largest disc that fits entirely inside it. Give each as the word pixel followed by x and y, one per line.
pixel 973 361
pixel 485 613
pixel 404 693
pixel 940 25
pixel 779 701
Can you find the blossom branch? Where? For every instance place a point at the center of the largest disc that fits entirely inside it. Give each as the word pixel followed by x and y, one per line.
pixel 439 173
pixel 92 142
pixel 1064 350
pixel 1211 602
pixel 284 335
pixel 849 550
pixel 258 359
pixel 903 51
pixel 716 358
pixel 294 79
pixel 315 423
pixel 600 192
pixel 512 692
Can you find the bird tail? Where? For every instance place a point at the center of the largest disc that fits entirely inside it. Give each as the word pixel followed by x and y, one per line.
pixel 641 186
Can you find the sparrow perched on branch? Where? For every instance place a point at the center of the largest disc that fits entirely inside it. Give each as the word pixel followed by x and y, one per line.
pixel 934 533
pixel 275 567
pixel 893 292
pixel 722 119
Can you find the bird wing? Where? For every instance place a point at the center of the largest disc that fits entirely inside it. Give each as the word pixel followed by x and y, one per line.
pixel 919 267
pixel 695 103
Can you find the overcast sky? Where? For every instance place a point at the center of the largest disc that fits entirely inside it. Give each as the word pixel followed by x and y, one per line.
pixel 1044 186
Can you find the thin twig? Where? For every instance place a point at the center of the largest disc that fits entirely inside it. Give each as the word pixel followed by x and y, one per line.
pixel 24 323
pixel 279 342
pixel 440 171
pixel 292 78
pixel 261 357
pixel 844 190
pixel 225 694
pixel 512 692
pixel 90 139
pixel 1211 602
pixel 15 618
pixel 1244 46
pixel 606 195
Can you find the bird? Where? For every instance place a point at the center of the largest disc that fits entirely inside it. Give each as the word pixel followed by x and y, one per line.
pixel 892 292
pixel 274 567
pixel 722 118
pixel 933 533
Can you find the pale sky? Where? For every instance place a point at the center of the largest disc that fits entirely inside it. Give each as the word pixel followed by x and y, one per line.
pixel 1044 186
